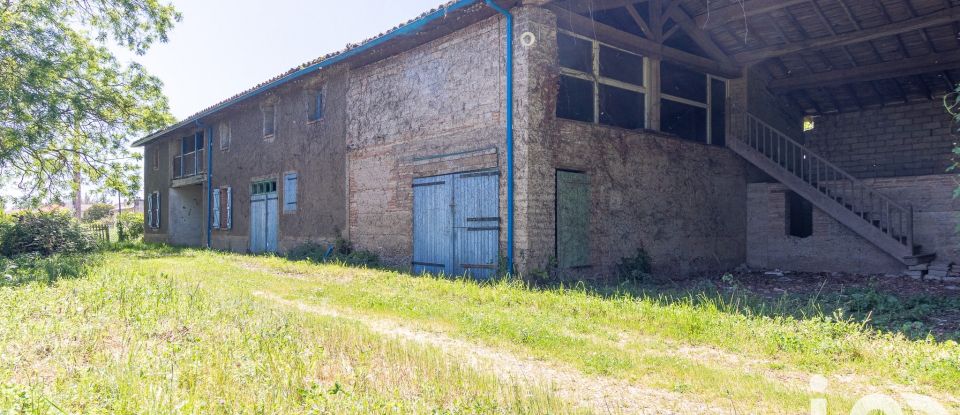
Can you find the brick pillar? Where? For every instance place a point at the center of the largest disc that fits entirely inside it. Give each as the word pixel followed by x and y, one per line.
pixel 536 77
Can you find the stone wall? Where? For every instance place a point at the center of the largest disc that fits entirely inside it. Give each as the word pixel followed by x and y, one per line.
pixel 684 203
pixel 904 140
pixel 834 247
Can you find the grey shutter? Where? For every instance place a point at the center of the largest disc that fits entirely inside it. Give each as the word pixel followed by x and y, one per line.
pixel 150 210
pixel 229 218
pixel 290 192
pixel 216 209
pixel 156 215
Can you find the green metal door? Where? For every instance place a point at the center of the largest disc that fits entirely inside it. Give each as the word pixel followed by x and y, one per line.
pixel 573 219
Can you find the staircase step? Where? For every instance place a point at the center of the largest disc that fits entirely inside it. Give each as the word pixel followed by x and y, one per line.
pixel 919 259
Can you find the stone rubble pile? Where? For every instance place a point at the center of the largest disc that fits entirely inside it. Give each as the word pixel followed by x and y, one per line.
pixel 940 270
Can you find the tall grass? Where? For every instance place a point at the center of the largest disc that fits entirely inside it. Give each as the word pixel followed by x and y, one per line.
pixel 127 339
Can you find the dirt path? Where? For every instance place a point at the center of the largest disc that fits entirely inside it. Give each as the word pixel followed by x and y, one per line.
pixel 596 393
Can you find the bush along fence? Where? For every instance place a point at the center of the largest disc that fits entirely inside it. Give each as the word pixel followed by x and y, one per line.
pixel 100 232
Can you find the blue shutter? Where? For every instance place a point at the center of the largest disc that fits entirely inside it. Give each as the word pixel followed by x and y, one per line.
pixel 290 192
pixel 229 208
pixel 150 210
pixel 215 220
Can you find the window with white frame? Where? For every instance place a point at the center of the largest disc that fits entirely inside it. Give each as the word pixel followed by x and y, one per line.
pixel 692 104
pixel 225 137
pixel 269 119
pixel 600 83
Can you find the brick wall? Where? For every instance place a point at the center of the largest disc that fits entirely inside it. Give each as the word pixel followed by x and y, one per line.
pixel 834 247
pixel 682 202
pixel 432 110
pixel 904 140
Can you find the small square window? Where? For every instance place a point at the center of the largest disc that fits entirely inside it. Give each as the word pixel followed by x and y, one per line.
pixel 316 106
pixel 269 120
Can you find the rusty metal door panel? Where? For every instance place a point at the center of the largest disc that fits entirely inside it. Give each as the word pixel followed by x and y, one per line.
pixel 573 219
pixel 433 225
pixel 476 224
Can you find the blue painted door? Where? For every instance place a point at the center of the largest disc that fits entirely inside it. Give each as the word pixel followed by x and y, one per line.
pixel 456 225
pixel 433 225
pixel 258 227
pixel 264 217
pixel 476 224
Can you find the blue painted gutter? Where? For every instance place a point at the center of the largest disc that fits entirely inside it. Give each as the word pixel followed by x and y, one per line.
pixel 408 29
pixel 509 110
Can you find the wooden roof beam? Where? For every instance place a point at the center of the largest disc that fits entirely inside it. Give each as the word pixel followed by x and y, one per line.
pixel 699 36
pixel 585 26
pixel 906 67
pixel 597 5
pixel 942 17
pixel 741 10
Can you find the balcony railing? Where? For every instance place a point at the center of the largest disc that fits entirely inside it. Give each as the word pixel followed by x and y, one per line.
pixel 190 164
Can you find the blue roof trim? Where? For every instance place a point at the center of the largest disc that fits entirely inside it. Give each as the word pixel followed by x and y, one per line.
pixel 400 31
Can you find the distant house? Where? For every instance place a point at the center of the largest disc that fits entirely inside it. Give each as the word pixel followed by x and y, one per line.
pixel 675 127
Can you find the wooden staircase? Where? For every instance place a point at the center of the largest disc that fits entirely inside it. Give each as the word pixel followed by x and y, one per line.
pixel 870 214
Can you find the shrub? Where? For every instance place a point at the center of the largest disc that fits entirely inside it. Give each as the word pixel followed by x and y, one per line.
pixel 44 233
pixel 97 211
pixel 342 252
pixel 129 226
pixel 32 267
pixel 635 268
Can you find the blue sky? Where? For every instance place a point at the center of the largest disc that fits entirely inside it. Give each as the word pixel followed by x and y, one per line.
pixel 226 46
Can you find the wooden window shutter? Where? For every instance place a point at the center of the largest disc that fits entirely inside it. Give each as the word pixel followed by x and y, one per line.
pixel 215 220
pixel 229 203
pixel 150 210
pixel 290 192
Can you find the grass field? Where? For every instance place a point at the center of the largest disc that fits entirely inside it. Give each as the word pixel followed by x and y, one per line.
pixel 158 330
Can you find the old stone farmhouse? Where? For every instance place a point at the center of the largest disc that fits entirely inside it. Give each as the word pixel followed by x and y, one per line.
pixel 572 133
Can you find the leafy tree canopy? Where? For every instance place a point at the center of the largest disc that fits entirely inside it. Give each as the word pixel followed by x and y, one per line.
pixel 97 211
pixel 67 106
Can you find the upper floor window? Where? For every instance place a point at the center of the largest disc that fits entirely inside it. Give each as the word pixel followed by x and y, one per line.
pixel 600 83
pixel 315 106
pixel 269 119
pixel 156 157
pixel 692 104
pixel 224 129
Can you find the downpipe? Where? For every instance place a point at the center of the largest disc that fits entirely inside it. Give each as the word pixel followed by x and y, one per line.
pixel 509 109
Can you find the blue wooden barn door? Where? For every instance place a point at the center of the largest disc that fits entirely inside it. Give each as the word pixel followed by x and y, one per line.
pixel 476 224
pixel 432 225
pixel 456 224
pixel 258 209
pixel 264 217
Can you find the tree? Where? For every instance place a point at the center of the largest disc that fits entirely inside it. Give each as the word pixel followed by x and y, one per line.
pixel 97 211
pixel 67 106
